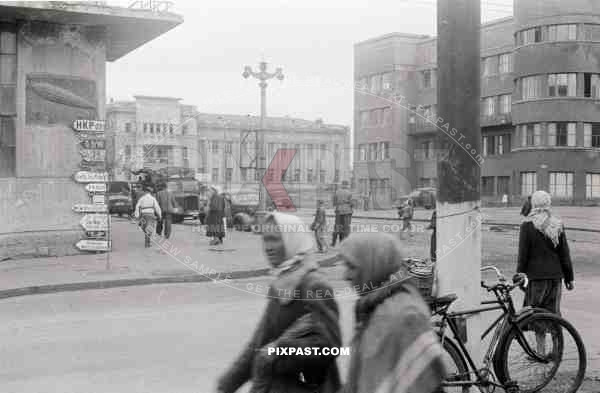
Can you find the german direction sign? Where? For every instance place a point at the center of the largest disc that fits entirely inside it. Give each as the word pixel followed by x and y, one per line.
pixel 87 208
pixel 96 187
pixel 91 177
pixel 95 234
pixel 93 245
pixel 98 199
pixel 89 125
pixel 94 222
pixel 93 143
pixel 93 155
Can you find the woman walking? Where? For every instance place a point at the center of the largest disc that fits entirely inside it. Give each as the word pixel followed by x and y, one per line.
pixel 545 258
pixel 216 213
pixel 394 348
pixel 300 313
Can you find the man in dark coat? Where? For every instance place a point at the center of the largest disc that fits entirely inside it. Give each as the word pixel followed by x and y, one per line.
pixel 167 204
pixel 215 226
pixel 526 209
pixel 301 313
pixel 343 213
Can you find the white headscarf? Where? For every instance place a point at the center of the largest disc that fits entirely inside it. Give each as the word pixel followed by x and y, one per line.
pixel 217 189
pixel 542 218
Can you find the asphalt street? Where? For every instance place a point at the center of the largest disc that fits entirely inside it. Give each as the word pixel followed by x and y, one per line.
pixel 160 338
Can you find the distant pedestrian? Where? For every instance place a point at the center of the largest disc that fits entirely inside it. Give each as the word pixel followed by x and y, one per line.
pixel 342 201
pixel 407 215
pixel 544 258
pixel 433 240
pixel 147 211
pixel 318 226
pixel 301 313
pixel 394 348
pixel 215 227
pixel 526 209
pixel 505 200
pixel 228 211
pixel 168 206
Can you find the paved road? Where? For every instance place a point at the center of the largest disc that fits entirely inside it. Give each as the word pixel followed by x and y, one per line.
pixel 162 338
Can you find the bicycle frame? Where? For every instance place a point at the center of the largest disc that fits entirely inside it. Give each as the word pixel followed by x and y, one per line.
pixel 502 324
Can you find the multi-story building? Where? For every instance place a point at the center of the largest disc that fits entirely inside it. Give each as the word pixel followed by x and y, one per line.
pixel 154 133
pixel 227 144
pixel 540 106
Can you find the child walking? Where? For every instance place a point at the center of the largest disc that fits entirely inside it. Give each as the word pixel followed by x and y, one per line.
pixel 318 226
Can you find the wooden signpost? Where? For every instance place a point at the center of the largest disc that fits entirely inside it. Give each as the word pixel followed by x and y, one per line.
pixel 92 148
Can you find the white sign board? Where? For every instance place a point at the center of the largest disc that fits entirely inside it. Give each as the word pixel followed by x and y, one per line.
pixel 98 200
pixel 93 245
pixel 87 208
pixel 93 155
pixel 91 177
pixel 96 187
pixel 95 222
pixel 89 125
pixel 203 177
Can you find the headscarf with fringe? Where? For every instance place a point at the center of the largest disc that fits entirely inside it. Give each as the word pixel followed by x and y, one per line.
pixel 541 216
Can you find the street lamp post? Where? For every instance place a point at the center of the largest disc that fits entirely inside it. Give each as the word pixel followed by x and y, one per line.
pixel 263 76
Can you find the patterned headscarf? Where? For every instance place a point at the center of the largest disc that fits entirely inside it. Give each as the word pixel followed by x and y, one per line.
pixel 542 218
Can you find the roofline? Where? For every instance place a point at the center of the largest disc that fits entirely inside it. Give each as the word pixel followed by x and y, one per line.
pixel 393 35
pixel 144 97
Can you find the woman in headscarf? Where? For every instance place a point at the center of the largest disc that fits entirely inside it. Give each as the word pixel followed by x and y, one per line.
pixel 216 213
pixel 544 257
pixel 301 313
pixel 394 348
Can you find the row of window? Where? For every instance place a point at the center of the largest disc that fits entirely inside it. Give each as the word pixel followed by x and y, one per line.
pixel 377 83
pixel 502 104
pixel 498 185
pixel 561 32
pixel 559 85
pixel 497 64
pixel 495 144
pixel 377 151
pixel 561 184
pixel 376 117
pixel 8 85
pixel 558 134
pixel 246 174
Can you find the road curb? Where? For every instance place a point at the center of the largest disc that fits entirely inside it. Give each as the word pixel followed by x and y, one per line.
pixel 117 283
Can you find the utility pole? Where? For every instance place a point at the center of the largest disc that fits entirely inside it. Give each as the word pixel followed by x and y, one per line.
pixel 459 171
pixel 263 76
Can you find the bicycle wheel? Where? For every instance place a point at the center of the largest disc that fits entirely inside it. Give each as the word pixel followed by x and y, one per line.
pixel 527 357
pixel 456 367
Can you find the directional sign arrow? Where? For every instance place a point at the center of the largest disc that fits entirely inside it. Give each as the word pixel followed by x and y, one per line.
pixel 95 222
pixel 273 184
pixel 91 177
pixel 93 245
pixel 87 208
pixel 95 234
pixel 96 187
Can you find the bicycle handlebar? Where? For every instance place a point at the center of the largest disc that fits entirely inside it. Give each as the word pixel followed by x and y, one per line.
pixel 524 282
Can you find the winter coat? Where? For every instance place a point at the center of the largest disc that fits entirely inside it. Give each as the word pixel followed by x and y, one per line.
pixel 216 213
pixel 343 202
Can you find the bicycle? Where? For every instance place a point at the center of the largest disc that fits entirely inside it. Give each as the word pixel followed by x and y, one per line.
pixel 511 328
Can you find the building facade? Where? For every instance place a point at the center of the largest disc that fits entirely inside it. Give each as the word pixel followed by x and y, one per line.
pixel 154 133
pixel 52 72
pixel 540 107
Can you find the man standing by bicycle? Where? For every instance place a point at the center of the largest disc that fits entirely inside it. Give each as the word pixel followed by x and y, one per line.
pixel 544 257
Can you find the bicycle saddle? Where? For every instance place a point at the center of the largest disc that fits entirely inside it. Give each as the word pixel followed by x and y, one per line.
pixel 445 300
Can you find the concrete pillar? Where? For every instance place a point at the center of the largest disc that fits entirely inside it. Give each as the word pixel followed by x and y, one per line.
pixel 459 221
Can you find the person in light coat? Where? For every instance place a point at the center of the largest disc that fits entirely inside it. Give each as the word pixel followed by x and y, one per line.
pixel 147 211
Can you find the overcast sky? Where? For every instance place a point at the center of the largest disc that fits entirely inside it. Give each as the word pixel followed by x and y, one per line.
pixel 201 61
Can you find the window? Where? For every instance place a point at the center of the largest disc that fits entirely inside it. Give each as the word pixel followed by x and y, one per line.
pixel 591 32
pixel 170 128
pixel 489 145
pixel 487 185
pixel 505 63
pixel 499 142
pixel 505 103
pixel 364 118
pixel 363 152
pixel 561 184
pixel 562 134
pixel 562 32
pixel 591 84
pixel 532 35
pixel 489 106
pixel 426 79
pixel 228 147
pixel 145 127
pixel 503 185
pixel 127 127
pixel 184 129
pixel 530 87
pixel 592 185
pixel 336 177
pixel 528 183
pixel 184 152
pixel 215 175
pixel 591 135
pixel 322 175
pixel 562 85
pixel 372 151
pixel 297 175
pixel 8 146
pixel 309 176
pixel 244 174
pixel 228 174
pixel 386 81
pixel 214 146
pixel 490 66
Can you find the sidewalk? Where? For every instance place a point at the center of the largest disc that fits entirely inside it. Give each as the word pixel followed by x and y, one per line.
pixel 186 258
pixel 573 216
